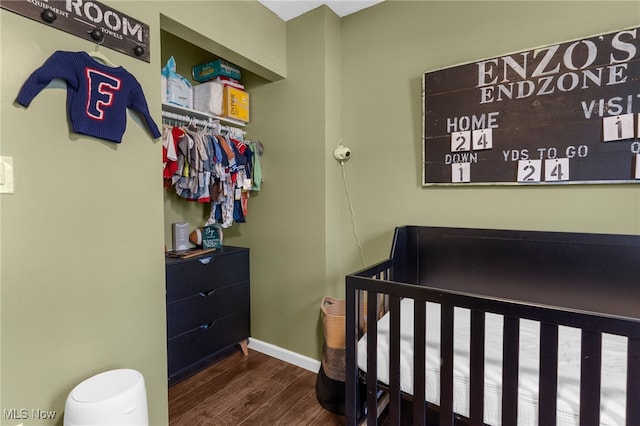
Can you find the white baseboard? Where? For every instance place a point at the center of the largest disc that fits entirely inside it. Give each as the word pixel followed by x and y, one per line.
pixel 285 355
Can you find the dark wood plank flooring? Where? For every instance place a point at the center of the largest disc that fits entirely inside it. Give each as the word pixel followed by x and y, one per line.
pixel 252 390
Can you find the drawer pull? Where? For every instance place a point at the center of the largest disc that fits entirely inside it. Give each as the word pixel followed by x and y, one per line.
pixel 205 326
pixel 205 260
pixel 208 293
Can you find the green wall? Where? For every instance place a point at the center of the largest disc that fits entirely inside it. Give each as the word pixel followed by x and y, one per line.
pixel 82 262
pixel 299 226
pixel 82 279
pixel 387 48
pixel 292 221
pixel 82 239
pixel 293 225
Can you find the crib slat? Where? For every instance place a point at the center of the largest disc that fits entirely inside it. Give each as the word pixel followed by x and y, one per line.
pixel 351 385
pixel 476 367
pixel 419 341
pixel 510 365
pixel 591 359
pixel 394 360
pixel 548 375
pixel 446 370
pixel 633 384
pixel 372 358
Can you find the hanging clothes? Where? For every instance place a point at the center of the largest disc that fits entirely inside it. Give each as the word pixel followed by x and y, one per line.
pixel 257 149
pixel 207 166
pixel 169 153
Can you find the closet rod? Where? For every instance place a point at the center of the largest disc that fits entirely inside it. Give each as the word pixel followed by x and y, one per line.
pixel 188 119
pixel 211 123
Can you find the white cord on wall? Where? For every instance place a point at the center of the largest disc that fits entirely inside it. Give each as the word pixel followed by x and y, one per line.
pixel 353 216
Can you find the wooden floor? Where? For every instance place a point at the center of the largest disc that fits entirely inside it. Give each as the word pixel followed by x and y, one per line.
pixel 252 390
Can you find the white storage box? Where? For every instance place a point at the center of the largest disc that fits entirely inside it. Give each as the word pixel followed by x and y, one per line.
pixel 208 97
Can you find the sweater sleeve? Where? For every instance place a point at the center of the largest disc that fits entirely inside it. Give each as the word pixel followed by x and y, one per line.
pixel 59 65
pixel 138 103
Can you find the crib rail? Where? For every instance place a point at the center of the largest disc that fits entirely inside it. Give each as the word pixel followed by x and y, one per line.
pixel 376 286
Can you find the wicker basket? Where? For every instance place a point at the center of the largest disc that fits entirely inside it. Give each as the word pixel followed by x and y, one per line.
pixel 330 384
pixel 333 322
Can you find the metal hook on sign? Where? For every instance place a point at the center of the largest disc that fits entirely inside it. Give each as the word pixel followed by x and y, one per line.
pixel 97 36
pixel 48 16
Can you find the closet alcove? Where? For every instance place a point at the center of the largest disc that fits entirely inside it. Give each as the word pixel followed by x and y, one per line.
pixel 189 48
pixel 208 296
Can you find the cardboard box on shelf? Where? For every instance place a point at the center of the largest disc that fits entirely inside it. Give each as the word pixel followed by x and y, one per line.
pixel 236 104
pixel 213 69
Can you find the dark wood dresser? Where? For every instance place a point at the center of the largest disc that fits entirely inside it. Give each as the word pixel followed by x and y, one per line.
pixel 208 308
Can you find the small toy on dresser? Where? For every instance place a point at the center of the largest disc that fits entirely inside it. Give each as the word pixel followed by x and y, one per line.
pixel 209 236
pixel 206 239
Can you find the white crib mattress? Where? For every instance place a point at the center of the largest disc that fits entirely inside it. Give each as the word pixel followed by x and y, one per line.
pixel 614 366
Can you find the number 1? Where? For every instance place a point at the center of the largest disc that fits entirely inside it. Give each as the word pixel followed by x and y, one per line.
pixel 460 172
pixel 617 127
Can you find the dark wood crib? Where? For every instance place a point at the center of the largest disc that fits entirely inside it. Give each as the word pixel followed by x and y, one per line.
pixel 587 282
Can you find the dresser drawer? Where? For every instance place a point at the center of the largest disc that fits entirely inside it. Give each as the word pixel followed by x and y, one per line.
pixel 189 349
pixel 203 274
pixel 206 307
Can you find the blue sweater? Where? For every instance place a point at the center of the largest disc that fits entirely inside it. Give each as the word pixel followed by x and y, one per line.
pixel 97 95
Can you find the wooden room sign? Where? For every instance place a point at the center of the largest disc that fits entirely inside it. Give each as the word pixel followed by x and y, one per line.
pixel 566 113
pixel 90 20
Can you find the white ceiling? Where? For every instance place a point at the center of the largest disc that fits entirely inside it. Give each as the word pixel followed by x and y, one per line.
pixel 289 9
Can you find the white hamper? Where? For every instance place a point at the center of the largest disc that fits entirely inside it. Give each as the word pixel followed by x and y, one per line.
pixel 116 397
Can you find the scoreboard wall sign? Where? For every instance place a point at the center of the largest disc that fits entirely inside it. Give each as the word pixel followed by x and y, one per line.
pixel 566 113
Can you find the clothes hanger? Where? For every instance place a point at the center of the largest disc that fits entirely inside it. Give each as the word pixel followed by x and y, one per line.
pixel 101 57
pixel 96 54
pixel 193 125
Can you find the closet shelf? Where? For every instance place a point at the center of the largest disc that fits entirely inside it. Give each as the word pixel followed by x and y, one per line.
pixel 200 115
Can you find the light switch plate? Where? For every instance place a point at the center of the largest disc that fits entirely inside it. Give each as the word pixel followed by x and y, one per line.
pixel 6 175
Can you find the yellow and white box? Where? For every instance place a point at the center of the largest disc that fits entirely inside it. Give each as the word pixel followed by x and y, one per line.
pixel 236 104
